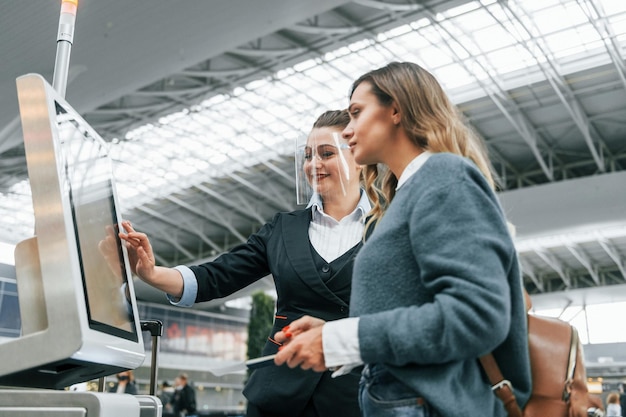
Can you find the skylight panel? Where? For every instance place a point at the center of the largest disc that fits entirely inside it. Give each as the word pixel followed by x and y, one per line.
pixel 540 5
pixel 168 134
pixel 568 42
pixel 319 73
pixel 215 100
pixel 138 132
pixel 164 153
pixel 462 9
pixel 157 181
pixel 217 159
pixel 171 175
pixel 412 41
pixel 462 51
pixel 501 59
pixel 248 145
pixel 434 57
pixel 612 7
pixel 407 46
pixel 549 20
pixel 257 84
pixel 264 116
pixel 237 91
pixel 476 20
pixel 618 25
pixel 359 46
pixel 572 15
pixel 305 65
pixel 492 38
pixel 420 24
pixel 453 76
pixel 223 130
pixel 173 117
pixel 393 33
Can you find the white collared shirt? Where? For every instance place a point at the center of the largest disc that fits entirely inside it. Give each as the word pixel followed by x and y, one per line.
pixel 332 238
pixel 412 167
pixel 340 338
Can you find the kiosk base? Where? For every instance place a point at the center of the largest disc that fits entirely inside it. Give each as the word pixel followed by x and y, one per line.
pixel 40 403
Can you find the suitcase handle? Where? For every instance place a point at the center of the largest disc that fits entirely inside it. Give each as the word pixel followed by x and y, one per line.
pixel 155 327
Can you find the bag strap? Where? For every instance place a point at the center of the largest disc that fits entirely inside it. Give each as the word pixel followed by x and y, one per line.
pixel 500 386
pixel 571 364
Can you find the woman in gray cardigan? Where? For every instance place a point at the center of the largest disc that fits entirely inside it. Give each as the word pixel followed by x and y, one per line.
pixel 437 284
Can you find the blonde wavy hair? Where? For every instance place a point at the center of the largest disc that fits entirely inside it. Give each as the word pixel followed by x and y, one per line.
pixel 429 118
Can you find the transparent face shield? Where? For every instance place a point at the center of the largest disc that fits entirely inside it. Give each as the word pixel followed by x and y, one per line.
pixel 324 165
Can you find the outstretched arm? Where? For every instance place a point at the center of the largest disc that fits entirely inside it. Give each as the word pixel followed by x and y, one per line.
pixel 143 264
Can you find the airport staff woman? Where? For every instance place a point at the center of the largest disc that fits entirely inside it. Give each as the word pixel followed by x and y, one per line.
pixel 309 254
pixel 437 284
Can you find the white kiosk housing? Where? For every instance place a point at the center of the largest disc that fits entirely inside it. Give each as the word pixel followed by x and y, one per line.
pixel 77 302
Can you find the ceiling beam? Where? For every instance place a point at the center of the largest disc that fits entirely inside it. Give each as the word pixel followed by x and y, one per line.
pixel 494 90
pixel 159 234
pixel 542 55
pixel 584 259
pixel 556 265
pixel 394 7
pixel 224 225
pixel 176 226
pixel 229 203
pixel 614 254
pixel 598 18
pixel 528 271
pixel 255 190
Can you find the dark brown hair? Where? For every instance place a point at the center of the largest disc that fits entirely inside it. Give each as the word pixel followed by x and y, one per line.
pixel 333 118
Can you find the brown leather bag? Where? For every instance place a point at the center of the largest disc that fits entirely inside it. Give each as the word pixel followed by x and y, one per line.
pixel 559 381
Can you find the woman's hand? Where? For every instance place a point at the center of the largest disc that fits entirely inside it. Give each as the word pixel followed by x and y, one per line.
pixel 302 344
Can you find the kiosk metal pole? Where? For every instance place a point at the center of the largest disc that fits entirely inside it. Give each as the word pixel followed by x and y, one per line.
pixel 65 37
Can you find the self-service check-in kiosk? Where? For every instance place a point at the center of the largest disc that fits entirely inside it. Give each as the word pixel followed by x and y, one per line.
pixel 77 303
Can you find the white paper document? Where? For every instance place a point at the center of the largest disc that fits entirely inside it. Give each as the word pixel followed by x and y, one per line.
pixel 233 368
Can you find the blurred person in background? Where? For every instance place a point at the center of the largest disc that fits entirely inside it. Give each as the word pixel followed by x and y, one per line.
pixel 613 407
pixel 165 395
pixel 125 383
pixel 184 397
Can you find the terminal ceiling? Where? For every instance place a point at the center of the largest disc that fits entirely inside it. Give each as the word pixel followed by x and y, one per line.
pixel 202 101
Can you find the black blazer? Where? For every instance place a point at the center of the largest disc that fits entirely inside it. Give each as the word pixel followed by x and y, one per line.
pixel 282 248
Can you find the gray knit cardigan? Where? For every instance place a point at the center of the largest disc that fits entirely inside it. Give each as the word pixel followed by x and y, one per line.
pixel 437 285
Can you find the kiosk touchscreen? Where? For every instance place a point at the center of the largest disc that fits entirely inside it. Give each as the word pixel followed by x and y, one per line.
pixel 77 302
